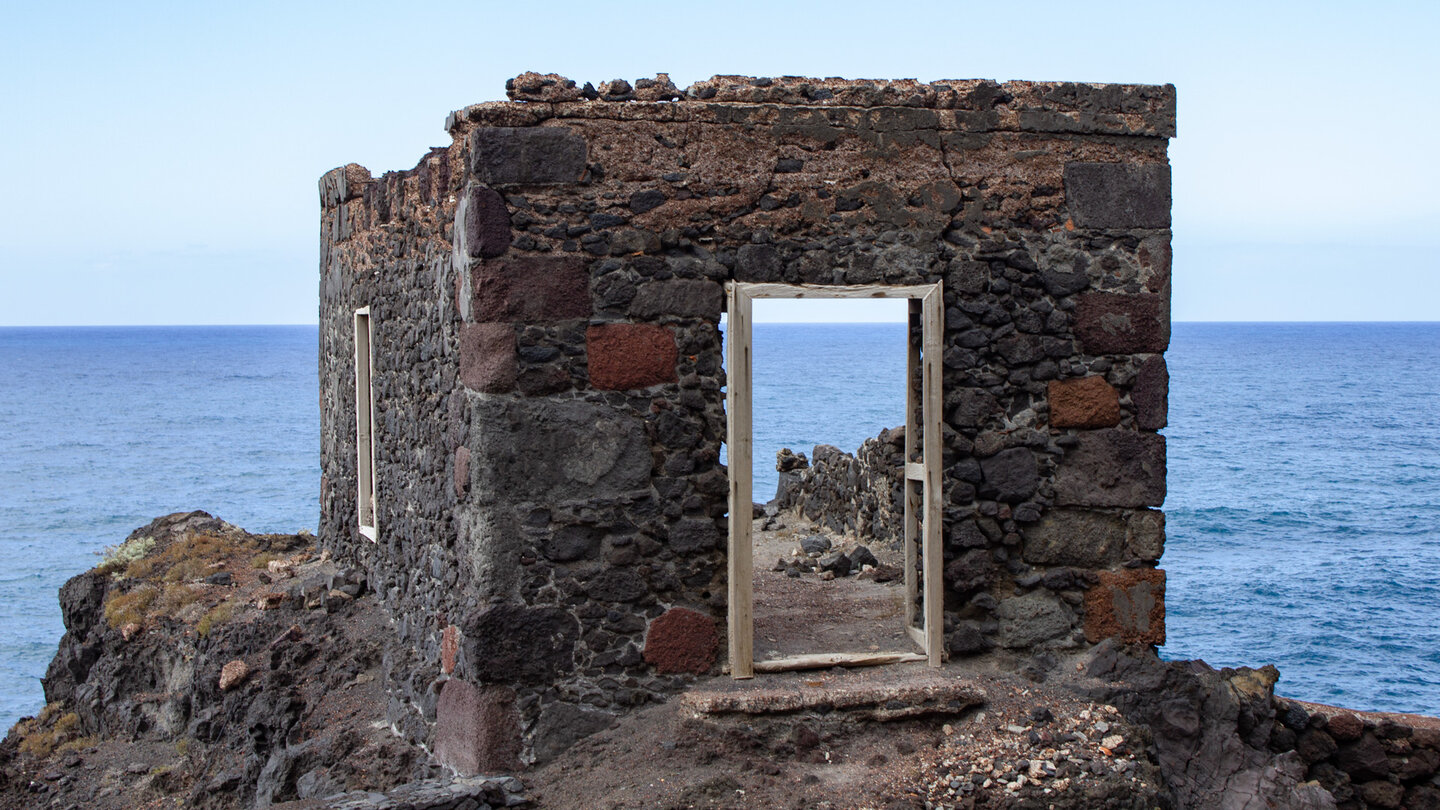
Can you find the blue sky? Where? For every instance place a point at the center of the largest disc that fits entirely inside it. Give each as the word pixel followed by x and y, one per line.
pixel 159 160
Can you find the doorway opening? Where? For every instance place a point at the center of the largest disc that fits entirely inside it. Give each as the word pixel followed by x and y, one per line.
pixel 918 468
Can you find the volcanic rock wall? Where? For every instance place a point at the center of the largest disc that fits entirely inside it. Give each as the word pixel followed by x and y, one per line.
pixel 545 296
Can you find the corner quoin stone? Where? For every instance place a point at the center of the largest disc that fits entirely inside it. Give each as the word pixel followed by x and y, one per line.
pixel 1150 394
pixel 527 155
pixel 477 730
pixel 1118 195
pixel 487 223
pixel 1116 323
pixel 1088 402
pixel 487 358
pixel 530 289
pixel 1127 605
pixel 626 356
pixel 682 640
pixel 1113 467
pixel 518 644
pixel 1088 538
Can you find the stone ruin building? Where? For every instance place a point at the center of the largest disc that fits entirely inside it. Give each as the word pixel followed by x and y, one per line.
pixel 524 395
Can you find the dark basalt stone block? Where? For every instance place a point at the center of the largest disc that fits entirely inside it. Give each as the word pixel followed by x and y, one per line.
pixel 1116 323
pixel 1114 467
pixel 678 298
pixel 1010 475
pixel 509 643
pixel 527 155
pixel 1150 394
pixel 487 223
pixel 1118 195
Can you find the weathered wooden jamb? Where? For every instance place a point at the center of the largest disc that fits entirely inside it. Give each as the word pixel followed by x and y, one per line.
pixel 934 308
pixel 739 453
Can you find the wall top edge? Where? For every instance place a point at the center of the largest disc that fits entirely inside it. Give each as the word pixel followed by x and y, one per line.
pixel 1062 107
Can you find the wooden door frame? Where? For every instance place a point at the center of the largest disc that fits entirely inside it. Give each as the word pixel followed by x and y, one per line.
pixel 922 473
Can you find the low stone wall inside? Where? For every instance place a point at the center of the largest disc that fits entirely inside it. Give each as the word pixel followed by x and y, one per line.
pixel 1365 759
pixel 860 495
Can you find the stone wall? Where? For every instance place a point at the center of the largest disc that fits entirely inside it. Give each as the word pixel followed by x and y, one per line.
pixel 545 294
pixel 1365 759
pixel 860 495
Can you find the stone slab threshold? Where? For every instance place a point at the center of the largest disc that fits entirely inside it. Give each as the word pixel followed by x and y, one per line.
pixel 882 693
pixel 458 793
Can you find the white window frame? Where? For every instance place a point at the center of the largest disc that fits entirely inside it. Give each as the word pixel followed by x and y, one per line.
pixel 365 500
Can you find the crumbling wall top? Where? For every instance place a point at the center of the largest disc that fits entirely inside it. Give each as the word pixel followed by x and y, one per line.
pixel 973 105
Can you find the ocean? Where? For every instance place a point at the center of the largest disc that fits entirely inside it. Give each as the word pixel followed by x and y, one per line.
pixel 1303 515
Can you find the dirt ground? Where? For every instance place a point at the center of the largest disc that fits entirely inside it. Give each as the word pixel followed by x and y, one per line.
pixel 809 614
pixel 1026 744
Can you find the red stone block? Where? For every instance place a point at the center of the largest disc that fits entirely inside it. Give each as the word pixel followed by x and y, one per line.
pixel 449 646
pixel 487 357
pixel 1345 727
pixel 1127 605
pixel 477 730
pixel 1117 323
pixel 530 289
pixel 625 356
pixel 1088 402
pixel 682 640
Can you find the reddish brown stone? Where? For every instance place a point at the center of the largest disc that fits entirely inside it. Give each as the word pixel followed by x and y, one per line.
pixel 462 471
pixel 1088 402
pixel 487 357
pixel 1116 323
pixel 530 289
pixel 477 730
pixel 1151 394
pixel 487 223
pixel 682 640
pixel 449 646
pixel 1127 605
pixel 625 356
pixel 1345 727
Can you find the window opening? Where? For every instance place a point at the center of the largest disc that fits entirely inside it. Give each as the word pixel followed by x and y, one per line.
pixel 364 427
